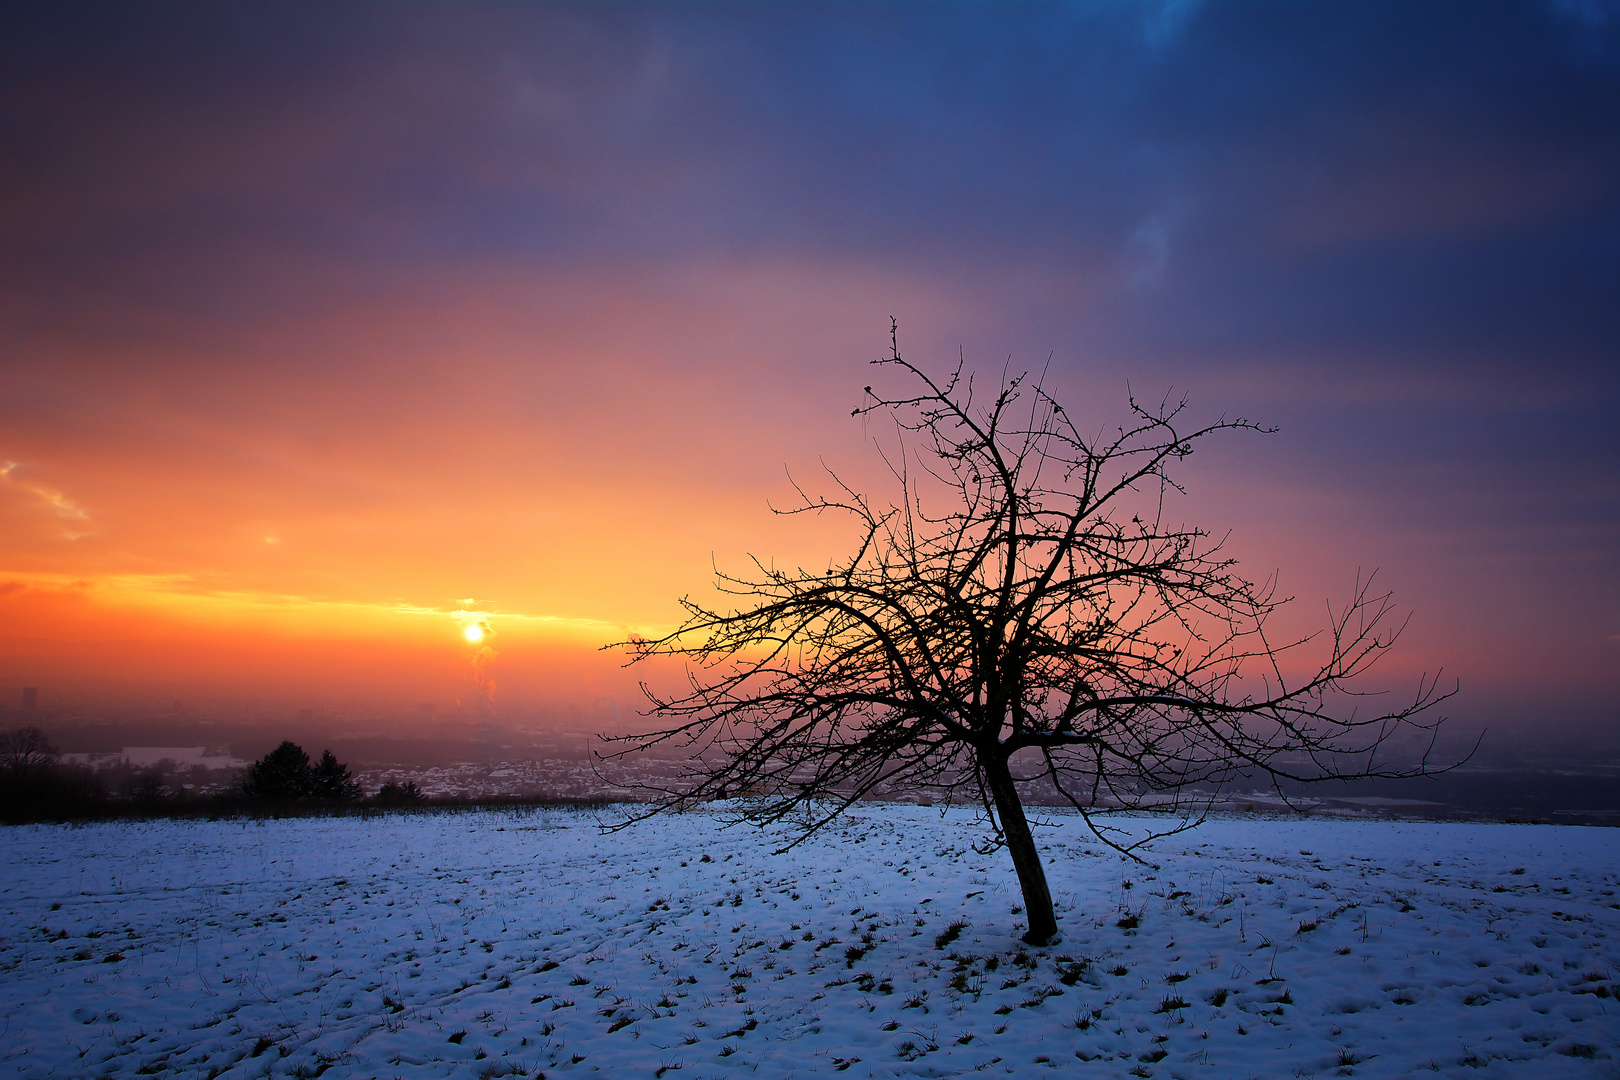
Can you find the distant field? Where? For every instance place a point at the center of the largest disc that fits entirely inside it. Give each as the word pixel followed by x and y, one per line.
pixel 492 944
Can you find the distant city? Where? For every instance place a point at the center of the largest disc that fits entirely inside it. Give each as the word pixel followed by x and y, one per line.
pixel 454 756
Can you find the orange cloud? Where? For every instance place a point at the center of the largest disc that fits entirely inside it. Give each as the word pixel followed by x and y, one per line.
pixel 63 507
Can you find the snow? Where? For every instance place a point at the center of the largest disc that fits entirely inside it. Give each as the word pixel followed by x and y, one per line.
pixel 367 946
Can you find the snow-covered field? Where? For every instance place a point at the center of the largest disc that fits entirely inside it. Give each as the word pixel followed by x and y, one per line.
pixel 497 943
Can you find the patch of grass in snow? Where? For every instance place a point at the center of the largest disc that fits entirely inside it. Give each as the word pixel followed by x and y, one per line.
pixel 950 933
pixel 911 1050
pixel 1073 972
pixel 1040 997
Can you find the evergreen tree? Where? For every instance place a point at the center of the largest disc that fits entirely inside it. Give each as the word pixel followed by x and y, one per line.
pixel 283 773
pixel 286 773
pixel 330 779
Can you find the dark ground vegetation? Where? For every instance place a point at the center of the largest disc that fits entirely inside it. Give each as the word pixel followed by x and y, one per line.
pixel 37 785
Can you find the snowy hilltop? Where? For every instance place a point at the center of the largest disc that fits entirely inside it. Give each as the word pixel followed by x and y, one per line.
pixel 530 943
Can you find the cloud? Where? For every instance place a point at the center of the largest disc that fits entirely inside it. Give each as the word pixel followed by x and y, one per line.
pixel 1588 13
pixel 1147 253
pixel 1162 24
pixel 59 503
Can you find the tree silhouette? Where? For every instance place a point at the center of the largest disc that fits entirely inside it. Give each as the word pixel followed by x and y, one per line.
pixel 330 779
pixel 285 773
pixel 26 755
pixel 28 772
pixel 395 794
pixel 1026 595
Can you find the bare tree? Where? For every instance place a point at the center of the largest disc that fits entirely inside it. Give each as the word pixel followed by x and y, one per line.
pixel 1025 594
pixel 25 753
pixel 32 779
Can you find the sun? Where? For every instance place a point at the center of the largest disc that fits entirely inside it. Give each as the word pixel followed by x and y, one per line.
pixel 473 633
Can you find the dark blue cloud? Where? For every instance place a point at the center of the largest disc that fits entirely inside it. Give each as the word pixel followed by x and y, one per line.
pixel 1441 173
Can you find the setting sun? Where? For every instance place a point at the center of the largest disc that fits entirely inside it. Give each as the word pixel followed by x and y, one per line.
pixel 474 633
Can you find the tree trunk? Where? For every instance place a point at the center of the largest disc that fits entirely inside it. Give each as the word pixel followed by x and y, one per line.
pixel 1021 845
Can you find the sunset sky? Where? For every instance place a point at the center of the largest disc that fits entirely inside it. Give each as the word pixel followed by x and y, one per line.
pixel 321 324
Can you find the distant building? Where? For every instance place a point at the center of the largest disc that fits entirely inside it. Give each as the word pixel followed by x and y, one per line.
pixel 183 757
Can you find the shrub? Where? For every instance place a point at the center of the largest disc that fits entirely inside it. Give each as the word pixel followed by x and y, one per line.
pixel 392 794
